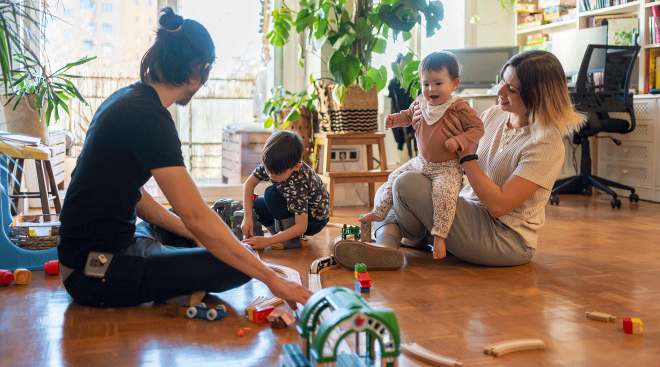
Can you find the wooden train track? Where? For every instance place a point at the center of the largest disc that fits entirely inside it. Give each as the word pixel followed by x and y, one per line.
pixel 502 348
pixel 418 352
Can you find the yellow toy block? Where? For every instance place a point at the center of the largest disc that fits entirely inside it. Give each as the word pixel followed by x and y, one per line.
pixel 637 326
pixel 22 276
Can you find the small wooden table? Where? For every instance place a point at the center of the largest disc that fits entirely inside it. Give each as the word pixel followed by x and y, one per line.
pixel 370 176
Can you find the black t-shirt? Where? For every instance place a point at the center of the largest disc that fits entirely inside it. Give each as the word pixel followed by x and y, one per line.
pixel 130 134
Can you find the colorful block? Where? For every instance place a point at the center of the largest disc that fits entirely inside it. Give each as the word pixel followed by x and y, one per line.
pixel 632 326
pixel 22 276
pixel 6 277
pixel 52 267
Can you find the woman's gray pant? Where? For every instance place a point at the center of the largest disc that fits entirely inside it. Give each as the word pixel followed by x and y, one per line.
pixel 474 236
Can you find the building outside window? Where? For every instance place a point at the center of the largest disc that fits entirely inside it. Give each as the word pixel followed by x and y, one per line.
pixel 107 48
pixel 106 7
pixel 85 4
pixel 88 45
pixel 107 28
pixel 68 13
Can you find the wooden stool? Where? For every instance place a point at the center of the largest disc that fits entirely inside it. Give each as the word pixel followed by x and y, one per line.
pixel 41 155
pixel 370 176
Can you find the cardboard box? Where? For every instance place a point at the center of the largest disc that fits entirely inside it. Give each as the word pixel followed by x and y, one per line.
pixel 548 3
pixel 557 9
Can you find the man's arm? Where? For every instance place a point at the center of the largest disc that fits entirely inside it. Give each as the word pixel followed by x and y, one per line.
pixel 152 212
pixel 213 233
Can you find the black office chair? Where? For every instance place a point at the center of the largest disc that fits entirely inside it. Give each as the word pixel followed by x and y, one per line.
pixel 598 100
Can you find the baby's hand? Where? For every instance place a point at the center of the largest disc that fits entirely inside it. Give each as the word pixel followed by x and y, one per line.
pixel 452 145
pixel 389 121
pixel 371 217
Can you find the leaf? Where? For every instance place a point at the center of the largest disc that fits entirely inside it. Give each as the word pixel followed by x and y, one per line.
pixel 365 82
pixel 380 46
pixel 338 93
pixel 344 69
pixel 378 76
pixel 294 115
pixel 344 37
pixel 304 19
pixel 268 122
pixel 434 13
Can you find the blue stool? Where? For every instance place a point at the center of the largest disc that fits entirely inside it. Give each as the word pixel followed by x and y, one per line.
pixel 12 256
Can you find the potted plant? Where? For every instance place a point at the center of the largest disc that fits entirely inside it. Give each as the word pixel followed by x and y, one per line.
pixel 293 111
pixel 355 30
pixel 32 94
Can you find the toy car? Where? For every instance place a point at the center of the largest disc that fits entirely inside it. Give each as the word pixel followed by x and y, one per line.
pixel 202 312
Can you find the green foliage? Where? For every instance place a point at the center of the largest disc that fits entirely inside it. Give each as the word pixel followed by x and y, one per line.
pixel 355 37
pixel 21 72
pixel 52 90
pixel 283 99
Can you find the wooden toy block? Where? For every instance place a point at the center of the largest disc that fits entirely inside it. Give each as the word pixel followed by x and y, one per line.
pixel 278 312
pixel 365 231
pixel 627 325
pixel 502 348
pixel 252 305
pixel 52 267
pixel 246 330
pixel 240 332
pixel 288 318
pixel 6 277
pixel 600 316
pixel 22 276
pixel 278 323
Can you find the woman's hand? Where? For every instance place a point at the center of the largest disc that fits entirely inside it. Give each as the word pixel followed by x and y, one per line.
pixel 257 242
pixel 417 113
pixel 452 127
pixel 289 291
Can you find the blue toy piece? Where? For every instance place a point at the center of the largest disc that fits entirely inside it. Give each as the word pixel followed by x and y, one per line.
pixel 202 312
pixel 293 356
pixel 12 256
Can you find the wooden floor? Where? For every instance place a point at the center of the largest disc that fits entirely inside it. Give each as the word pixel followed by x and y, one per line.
pixel 590 258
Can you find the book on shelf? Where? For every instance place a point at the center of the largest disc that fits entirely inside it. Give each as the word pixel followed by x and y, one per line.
pixel 655 35
pixel 653 54
pixel 620 31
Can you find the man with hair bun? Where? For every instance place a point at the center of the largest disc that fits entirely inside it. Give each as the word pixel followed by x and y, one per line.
pixel 167 257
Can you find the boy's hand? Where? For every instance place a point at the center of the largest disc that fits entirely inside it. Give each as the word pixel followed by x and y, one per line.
pixel 257 242
pixel 389 121
pixel 247 227
pixel 452 145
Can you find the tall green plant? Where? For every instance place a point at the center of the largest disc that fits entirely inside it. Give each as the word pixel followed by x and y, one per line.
pixel 22 73
pixel 355 37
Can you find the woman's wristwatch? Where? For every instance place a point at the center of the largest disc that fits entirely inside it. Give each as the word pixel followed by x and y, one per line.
pixel 469 157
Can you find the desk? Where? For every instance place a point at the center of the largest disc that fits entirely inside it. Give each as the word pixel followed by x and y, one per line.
pixel 479 101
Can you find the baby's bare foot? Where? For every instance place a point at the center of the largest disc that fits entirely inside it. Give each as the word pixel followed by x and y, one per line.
pixel 439 250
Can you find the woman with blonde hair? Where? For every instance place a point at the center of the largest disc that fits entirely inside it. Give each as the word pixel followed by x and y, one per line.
pixel 510 171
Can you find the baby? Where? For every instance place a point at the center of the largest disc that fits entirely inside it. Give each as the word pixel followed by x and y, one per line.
pixel 437 159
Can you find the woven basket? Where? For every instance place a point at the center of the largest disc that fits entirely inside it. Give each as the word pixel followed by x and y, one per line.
pixel 358 112
pixel 20 234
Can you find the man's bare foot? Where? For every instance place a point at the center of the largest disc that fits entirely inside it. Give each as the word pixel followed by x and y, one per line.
pixel 371 217
pixel 439 247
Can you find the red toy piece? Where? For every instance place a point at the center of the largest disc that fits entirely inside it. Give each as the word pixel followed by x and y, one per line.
pixel 261 313
pixel 52 267
pixel 254 196
pixel 6 277
pixel 240 332
pixel 627 325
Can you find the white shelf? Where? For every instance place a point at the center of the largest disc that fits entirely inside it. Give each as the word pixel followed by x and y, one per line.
pixel 617 9
pixel 655 3
pixel 546 27
pixel 653 45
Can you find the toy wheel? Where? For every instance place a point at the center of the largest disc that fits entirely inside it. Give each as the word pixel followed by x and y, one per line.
pixel 554 200
pixel 221 307
pixel 634 198
pixel 191 312
pixel 211 314
pixel 616 203
pixel 201 304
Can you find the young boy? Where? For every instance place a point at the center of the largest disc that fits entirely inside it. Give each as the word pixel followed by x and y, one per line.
pixel 295 204
pixel 439 73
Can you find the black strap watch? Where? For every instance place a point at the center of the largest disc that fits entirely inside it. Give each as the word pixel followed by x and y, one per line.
pixel 467 158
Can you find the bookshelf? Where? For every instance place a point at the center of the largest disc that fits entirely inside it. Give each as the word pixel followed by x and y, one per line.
pixel 641 9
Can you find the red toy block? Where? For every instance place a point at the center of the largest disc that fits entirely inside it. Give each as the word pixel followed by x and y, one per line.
pixel 6 277
pixel 254 197
pixel 261 313
pixel 240 332
pixel 364 280
pixel 627 325
pixel 246 330
pixel 52 267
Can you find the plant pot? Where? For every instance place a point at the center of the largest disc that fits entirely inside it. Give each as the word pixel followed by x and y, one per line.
pixel 358 113
pixel 25 118
pixel 305 126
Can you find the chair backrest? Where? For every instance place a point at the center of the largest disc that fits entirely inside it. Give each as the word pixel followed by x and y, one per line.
pixel 604 80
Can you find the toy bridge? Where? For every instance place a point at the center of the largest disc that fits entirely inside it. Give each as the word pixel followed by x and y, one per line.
pixel 349 313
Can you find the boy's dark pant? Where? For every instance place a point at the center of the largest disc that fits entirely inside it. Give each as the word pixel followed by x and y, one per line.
pixel 272 206
pixel 159 266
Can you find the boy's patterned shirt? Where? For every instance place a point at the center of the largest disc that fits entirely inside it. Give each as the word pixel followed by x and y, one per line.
pixel 303 190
